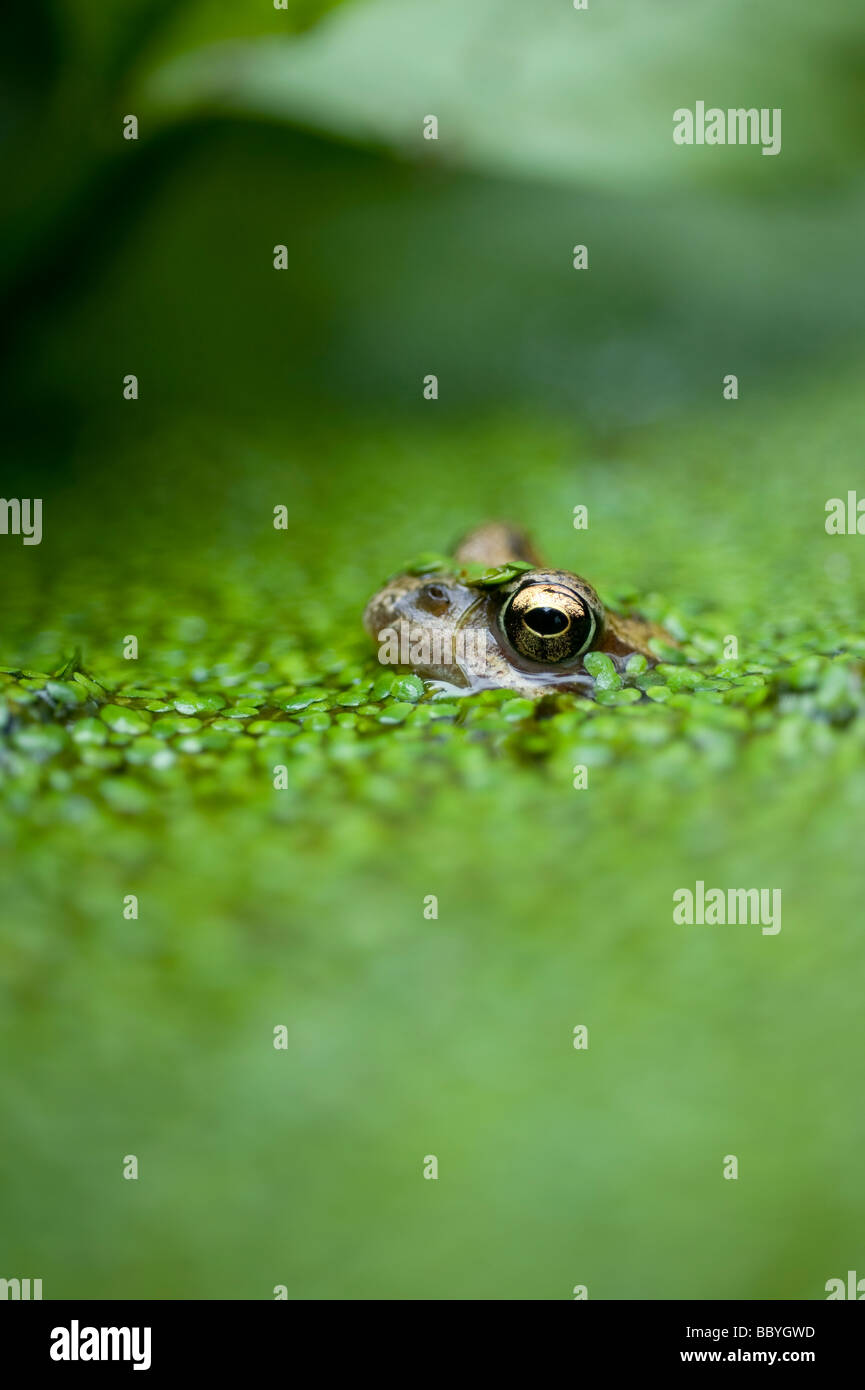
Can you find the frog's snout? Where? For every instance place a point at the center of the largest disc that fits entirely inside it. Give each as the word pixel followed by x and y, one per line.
pixel 387 607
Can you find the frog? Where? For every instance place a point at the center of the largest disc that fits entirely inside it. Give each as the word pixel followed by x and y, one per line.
pixel 496 616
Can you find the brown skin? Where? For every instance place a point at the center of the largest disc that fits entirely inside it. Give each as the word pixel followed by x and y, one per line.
pixel 528 635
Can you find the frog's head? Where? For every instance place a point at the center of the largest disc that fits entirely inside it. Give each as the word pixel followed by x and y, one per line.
pixel 493 615
pixel 423 614
pixel 515 626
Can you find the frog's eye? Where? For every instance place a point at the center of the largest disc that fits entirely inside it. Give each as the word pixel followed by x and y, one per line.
pixel 548 622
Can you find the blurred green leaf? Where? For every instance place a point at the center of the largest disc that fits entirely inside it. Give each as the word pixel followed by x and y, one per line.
pixel 546 92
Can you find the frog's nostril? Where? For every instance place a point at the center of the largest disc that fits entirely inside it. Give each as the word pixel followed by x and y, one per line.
pixel 433 598
pixel 547 622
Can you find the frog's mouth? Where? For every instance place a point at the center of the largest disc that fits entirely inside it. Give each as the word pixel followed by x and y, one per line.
pixel 473 607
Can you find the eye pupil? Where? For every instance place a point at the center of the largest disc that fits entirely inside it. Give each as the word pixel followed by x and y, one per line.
pixel 546 622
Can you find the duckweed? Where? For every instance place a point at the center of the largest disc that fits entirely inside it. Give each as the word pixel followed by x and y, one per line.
pixel 602 669
pixel 396 713
pixel 353 714
pixel 514 709
pixel 175 724
pixel 125 721
pixel 409 688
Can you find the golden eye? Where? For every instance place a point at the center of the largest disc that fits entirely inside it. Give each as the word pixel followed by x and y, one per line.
pixel 548 622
